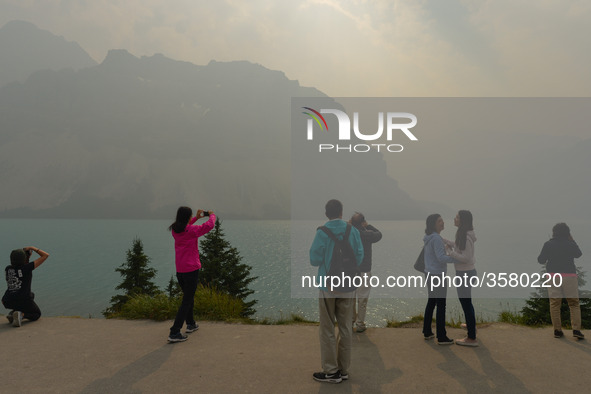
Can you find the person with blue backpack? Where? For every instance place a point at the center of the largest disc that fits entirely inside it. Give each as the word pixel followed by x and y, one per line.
pixel 335 258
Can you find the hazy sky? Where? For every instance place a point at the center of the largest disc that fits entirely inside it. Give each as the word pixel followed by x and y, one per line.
pixel 349 47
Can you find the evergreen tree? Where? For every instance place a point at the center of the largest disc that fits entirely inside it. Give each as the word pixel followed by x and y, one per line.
pixel 221 268
pixel 137 277
pixel 537 308
pixel 173 289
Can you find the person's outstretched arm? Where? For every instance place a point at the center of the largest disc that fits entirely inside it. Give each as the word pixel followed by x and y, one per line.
pixel 42 255
pixel 202 229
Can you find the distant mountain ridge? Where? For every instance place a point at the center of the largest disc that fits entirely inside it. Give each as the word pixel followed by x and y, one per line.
pixel 24 49
pixel 137 137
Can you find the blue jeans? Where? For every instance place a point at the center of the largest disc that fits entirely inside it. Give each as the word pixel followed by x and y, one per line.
pixel 437 298
pixel 465 296
pixel 188 282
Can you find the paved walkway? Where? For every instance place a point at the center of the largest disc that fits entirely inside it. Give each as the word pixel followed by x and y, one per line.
pixel 69 355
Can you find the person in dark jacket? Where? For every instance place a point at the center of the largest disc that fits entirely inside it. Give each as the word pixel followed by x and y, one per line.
pixel 369 235
pixel 19 275
pixel 558 254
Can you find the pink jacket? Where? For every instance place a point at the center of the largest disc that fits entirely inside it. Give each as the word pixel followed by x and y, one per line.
pixel 186 245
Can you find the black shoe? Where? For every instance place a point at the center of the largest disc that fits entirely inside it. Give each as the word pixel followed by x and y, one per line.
pixel 178 337
pixel 578 334
pixel 445 341
pixel 428 336
pixel 192 328
pixel 559 333
pixel 328 378
pixel 344 376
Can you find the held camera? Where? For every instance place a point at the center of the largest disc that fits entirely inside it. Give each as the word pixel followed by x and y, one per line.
pixel 205 213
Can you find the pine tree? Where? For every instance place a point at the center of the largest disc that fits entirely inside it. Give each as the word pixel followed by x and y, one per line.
pixel 537 308
pixel 221 268
pixel 137 277
pixel 173 289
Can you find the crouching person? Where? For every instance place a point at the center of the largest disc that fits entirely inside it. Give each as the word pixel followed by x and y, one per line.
pixel 19 275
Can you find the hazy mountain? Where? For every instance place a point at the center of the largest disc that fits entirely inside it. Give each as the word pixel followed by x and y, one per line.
pixel 552 184
pixel 548 179
pixel 503 158
pixel 24 49
pixel 137 137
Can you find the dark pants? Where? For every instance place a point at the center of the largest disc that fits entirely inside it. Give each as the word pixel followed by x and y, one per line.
pixel 437 298
pixel 465 296
pixel 27 306
pixel 188 282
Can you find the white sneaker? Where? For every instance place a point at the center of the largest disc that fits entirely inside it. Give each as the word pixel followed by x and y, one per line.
pixel 467 342
pixel 17 318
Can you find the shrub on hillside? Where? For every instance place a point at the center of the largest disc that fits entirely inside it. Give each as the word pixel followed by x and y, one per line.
pixel 210 304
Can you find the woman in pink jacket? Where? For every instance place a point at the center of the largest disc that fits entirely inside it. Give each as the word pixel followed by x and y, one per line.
pixel 185 234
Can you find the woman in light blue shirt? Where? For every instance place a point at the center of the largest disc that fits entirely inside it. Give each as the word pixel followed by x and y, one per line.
pixel 435 265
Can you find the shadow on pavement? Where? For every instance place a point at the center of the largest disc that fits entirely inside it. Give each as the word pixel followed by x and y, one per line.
pixel 368 372
pixel 124 379
pixel 495 379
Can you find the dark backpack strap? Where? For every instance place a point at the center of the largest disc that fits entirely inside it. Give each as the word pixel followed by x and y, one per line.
pixel 328 232
pixel 333 237
pixel 347 233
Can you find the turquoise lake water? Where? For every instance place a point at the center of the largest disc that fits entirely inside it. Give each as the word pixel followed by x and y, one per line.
pixel 79 278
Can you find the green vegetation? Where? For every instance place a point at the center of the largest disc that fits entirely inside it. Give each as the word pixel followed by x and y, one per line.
pixel 223 269
pixel 293 318
pixel 137 278
pixel 210 304
pixel 417 321
pixel 511 317
pixel 221 297
pixel 414 321
pixel 141 306
pixel 173 289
